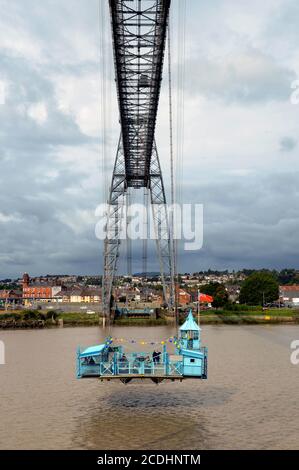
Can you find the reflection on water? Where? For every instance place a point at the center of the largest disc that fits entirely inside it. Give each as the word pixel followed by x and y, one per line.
pixel 145 431
pixel 248 401
pixel 150 417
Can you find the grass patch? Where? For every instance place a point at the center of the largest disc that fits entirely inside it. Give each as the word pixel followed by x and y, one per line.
pixel 249 316
pixel 77 319
pixel 275 312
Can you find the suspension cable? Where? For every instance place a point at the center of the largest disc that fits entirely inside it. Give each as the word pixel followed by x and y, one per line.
pixel 128 235
pixel 105 104
pixel 145 230
pixel 180 108
pixel 172 181
pixel 103 97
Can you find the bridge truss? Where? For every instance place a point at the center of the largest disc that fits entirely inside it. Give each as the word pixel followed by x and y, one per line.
pixel 139 29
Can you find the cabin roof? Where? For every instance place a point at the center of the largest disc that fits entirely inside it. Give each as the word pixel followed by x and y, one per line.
pixel 93 351
pixel 190 324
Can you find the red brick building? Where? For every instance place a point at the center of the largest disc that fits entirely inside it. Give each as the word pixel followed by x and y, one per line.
pixel 38 292
pixel 184 298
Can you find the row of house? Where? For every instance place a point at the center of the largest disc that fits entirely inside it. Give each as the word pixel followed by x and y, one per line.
pixel 11 296
pixel 48 291
pixel 78 295
pixel 136 294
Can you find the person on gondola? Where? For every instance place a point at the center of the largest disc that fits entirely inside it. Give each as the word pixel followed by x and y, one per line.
pixel 123 358
pixel 154 357
pixel 158 356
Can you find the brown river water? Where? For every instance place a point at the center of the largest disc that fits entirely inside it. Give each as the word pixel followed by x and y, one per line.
pixel 250 400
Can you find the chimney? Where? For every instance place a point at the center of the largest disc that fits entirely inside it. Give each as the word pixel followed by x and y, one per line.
pixel 26 280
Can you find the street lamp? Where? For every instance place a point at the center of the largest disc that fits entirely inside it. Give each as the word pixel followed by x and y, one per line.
pixel 198 306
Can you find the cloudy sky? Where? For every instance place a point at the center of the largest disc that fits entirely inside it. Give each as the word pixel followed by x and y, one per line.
pixel 241 133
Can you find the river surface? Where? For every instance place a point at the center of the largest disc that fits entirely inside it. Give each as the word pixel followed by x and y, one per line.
pixel 250 400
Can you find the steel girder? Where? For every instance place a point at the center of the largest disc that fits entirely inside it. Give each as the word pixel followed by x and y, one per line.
pixel 139 32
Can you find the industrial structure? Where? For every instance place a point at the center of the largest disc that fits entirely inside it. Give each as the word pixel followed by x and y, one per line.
pixel 139 30
pixel 108 361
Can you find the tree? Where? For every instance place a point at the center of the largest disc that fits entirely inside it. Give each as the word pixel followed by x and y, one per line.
pixel 288 276
pixel 218 292
pixel 31 315
pixel 93 281
pixel 258 288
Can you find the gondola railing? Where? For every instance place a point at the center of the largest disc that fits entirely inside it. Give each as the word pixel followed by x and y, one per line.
pixel 130 367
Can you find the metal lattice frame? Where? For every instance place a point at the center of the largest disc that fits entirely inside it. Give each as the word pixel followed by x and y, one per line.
pixel 162 230
pixel 139 33
pixel 115 215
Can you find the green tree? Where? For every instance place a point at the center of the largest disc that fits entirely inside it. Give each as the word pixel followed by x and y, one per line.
pixel 31 315
pixel 218 292
pixel 288 276
pixel 259 287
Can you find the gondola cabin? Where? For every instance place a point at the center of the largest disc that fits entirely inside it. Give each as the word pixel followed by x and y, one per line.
pixel 189 346
pixel 108 361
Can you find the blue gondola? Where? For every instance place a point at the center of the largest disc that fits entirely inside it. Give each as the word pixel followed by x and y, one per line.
pixel 108 361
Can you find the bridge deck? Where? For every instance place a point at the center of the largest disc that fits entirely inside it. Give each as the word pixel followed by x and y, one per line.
pixel 128 378
pixel 134 376
pixel 156 378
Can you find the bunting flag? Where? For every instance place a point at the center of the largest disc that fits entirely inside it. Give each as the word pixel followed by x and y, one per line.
pixel 172 340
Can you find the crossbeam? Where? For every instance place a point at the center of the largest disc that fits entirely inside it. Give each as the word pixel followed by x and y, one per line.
pixel 139 32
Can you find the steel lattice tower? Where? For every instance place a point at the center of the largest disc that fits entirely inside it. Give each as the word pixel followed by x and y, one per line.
pixel 139 29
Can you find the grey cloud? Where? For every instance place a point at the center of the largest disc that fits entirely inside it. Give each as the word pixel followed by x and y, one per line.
pixel 250 221
pixel 287 144
pixel 29 151
pixel 27 86
pixel 247 77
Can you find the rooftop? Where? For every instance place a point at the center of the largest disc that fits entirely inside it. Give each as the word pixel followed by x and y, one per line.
pixel 294 288
pixel 190 324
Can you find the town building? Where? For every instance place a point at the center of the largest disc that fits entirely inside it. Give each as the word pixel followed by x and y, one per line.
pixel 44 291
pixel 184 298
pixel 289 295
pixel 79 295
pixel 10 297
